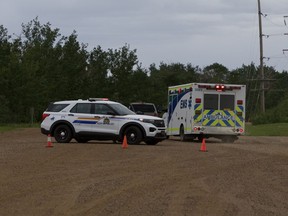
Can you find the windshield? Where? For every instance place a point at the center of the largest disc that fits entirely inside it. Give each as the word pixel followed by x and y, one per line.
pixel 121 109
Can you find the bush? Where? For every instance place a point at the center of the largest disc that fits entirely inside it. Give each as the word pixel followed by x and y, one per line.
pixel 5 115
pixel 277 114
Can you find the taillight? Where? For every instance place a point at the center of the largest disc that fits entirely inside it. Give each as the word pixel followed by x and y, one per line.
pixel 198 100
pixel 44 115
pixel 239 102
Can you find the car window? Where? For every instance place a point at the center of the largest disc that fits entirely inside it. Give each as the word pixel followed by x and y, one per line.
pixel 56 107
pixel 102 109
pixel 81 108
pixel 121 109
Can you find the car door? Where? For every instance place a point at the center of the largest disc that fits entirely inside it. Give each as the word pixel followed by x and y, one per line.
pixel 106 120
pixel 81 117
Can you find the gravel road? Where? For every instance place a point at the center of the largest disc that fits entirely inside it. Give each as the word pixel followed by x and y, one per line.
pixel 173 178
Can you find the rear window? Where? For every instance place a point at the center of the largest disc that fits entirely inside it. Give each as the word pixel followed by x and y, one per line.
pixel 56 107
pixel 227 102
pixel 210 101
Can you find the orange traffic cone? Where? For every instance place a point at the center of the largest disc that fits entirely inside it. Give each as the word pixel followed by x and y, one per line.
pixel 124 144
pixel 203 146
pixel 49 142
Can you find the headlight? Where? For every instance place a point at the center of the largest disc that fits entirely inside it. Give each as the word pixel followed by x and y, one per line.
pixel 151 121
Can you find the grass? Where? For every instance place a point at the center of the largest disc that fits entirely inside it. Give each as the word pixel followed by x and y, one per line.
pixel 9 127
pixel 277 129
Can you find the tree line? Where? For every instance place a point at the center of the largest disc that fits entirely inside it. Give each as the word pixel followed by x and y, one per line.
pixel 40 66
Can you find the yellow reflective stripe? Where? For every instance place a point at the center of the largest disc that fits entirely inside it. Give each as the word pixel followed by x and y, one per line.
pixel 181 87
pixel 215 122
pixel 199 107
pixel 231 122
pixel 222 123
pixel 199 118
pixel 238 109
pixel 239 121
pixel 206 121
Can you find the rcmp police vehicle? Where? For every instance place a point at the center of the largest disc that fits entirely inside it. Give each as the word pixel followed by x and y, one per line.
pixel 100 119
pixel 203 110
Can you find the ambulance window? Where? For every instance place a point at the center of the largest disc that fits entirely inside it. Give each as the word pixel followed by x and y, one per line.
pixel 211 101
pixel 227 102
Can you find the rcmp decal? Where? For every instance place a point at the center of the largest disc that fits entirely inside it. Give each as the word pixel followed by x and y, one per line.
pixel 97 120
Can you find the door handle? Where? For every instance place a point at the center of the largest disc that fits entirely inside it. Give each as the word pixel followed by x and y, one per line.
pixel 70 114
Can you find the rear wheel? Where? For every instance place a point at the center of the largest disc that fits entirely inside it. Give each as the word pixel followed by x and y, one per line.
pixel 182 133
pixel 133 135
pixel 63 134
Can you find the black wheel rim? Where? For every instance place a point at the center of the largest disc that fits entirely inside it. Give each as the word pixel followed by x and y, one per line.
pixel 131 136
pixel 62 134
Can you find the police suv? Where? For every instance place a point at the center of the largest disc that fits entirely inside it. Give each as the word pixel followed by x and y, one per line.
pixel 100 119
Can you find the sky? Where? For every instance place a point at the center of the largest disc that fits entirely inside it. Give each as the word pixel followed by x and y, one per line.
pixel 196 32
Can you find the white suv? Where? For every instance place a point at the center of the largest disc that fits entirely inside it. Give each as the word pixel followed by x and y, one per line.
pixel 100 119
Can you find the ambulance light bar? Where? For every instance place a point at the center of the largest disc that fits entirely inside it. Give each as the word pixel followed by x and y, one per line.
pixel 220 87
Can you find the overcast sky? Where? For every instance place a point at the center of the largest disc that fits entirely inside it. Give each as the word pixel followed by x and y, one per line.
pixel 200 32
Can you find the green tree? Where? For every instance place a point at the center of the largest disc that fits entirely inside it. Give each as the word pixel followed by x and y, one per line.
pixel 96 80
pixel 73 68
pixel 215 73
pixel 5 54
pixel 38 63
pixel 121 65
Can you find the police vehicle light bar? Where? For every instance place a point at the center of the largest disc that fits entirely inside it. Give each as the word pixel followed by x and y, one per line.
pixel 98 99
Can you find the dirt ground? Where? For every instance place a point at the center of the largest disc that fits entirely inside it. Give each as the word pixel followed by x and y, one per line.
pixel 249 177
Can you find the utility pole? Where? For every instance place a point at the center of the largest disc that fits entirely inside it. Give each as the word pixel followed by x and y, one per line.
pixel 262 80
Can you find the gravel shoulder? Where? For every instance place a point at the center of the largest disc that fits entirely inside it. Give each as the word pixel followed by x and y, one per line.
pixel 249 177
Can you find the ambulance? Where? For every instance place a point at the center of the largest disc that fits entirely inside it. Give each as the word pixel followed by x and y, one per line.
pixel 203 110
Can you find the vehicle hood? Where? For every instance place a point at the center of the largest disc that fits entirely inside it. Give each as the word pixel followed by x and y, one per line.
pixel 143 117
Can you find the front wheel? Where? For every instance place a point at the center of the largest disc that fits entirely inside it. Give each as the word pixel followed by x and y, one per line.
pixel 133 135
pixel 63 134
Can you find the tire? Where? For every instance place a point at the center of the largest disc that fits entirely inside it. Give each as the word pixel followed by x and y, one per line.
pixel 134 135
pixel 200 138
pixel 152 142
pixel 63 134
pixel 182 134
